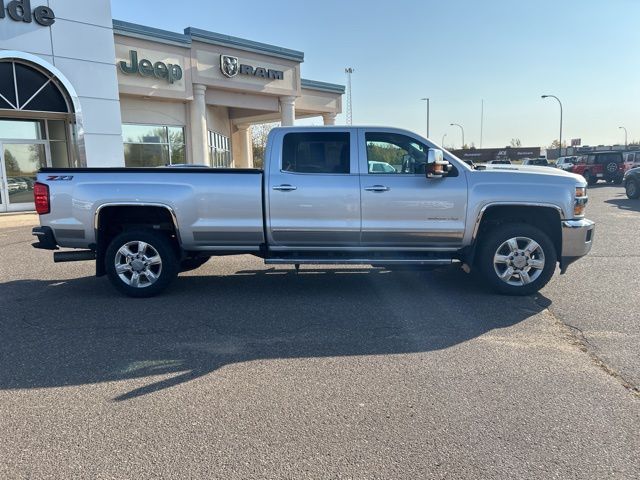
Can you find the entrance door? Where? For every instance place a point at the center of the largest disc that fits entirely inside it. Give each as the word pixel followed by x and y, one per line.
pixel 19 163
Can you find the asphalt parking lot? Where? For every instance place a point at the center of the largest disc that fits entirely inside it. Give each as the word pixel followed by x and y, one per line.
pixel 247 371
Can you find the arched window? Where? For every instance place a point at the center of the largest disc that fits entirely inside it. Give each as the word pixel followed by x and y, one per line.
pixel 24 87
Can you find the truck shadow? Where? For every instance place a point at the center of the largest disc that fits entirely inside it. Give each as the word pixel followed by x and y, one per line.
pixel 79 331
pixel 625 204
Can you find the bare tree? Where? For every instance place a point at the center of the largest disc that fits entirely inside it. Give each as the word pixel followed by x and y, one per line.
pixel 515 142
pixel 259 134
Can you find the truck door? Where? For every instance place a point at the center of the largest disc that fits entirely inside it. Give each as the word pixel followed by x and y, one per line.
pixel 313 189
pixel 402 208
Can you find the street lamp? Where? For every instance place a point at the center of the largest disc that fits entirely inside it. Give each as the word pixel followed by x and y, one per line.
pixel 427 100
pixel 625 136
pixel 461 129
pixel 442 143
pixel 560 140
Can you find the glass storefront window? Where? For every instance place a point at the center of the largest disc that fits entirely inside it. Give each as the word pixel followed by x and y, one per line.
pixel 21 129
pixel 153 145
pixel 219 150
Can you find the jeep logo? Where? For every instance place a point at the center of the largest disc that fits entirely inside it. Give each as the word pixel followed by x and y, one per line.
pixel 145 68
pixel 20 11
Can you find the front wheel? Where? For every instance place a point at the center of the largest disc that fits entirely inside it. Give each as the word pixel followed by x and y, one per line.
pixel 632 189
pixel 516 259
pixel 141 263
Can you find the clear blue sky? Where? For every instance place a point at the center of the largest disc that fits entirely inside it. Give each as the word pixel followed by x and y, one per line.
pixel 456 52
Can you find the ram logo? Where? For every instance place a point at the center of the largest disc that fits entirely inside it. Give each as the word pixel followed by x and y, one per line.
pixel 229 65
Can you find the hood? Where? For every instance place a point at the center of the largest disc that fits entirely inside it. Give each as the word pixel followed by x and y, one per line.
pixel 550 171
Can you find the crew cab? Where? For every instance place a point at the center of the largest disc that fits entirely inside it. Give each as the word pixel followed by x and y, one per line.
pixel 608 166
pixel 319 201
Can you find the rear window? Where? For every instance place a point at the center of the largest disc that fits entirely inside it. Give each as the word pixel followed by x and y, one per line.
pixel 316 152
pixel 604 158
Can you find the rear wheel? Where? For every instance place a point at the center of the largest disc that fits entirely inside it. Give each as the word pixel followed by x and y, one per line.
pixel 516 259
pixel 141 263
pixel 632 188
pixel 591 179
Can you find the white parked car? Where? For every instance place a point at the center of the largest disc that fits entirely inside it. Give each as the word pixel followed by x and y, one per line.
pixel 381 167
pixel 566 163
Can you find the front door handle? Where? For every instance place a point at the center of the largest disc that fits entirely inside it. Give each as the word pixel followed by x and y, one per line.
pixel 285 188
pixel 377 188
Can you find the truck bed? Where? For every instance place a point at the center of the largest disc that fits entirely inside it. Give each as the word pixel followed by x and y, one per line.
pixel 212 208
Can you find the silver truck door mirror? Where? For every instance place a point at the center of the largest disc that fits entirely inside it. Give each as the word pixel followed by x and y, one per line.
pixel 437 166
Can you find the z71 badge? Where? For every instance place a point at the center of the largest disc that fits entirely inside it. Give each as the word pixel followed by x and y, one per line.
pixel 59 178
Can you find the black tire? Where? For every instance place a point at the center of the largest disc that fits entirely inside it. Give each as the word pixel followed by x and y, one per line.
pixel 165 272
pixel 189 264
pixel 591 179
pixel 489 245
pixel 632 188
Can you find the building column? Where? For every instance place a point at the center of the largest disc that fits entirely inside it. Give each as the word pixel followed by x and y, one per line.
pixel 288 110
pixel 199 133
pixel 244 159
pixel 329 118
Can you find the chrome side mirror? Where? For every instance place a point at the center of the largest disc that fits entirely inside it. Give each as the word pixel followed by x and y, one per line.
pixel 437 166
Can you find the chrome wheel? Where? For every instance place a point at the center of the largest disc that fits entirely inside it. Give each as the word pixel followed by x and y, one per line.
pixel 519 261
pixel 138 264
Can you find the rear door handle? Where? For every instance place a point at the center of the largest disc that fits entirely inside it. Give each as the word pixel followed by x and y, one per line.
pixel 285 188
pixel 377 188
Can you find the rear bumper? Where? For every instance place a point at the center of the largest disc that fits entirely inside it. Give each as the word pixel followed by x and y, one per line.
pixel 577 239
pixel 46 239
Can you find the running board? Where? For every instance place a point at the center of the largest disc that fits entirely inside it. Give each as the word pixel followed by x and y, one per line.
pixel 360 261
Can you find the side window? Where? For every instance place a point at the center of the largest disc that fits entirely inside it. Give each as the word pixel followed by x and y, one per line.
pixel 316 152
pixel 391 153
pixel 591 159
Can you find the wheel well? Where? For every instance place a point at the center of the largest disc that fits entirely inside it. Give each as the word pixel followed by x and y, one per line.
pixel 546 219
pixel 113 220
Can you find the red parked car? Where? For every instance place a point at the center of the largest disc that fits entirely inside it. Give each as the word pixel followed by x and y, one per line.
pixel 608 166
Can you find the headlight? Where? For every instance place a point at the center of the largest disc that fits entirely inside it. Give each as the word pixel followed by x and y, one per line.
pixel 580 202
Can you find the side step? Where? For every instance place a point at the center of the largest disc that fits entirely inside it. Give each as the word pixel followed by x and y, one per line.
pixel 360 261
pixel 74 256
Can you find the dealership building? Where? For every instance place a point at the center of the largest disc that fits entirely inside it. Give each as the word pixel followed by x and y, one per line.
pixel 80 89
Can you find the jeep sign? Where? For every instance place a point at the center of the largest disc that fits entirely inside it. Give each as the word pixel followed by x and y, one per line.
pixel 145 68
pixel 20 11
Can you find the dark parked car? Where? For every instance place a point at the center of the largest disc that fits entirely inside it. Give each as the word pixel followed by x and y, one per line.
pixel 632 183
pixel 540 162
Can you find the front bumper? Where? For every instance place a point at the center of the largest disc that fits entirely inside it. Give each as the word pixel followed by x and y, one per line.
pixel 577 239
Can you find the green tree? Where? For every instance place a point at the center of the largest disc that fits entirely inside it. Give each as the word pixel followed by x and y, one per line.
pixel 259 134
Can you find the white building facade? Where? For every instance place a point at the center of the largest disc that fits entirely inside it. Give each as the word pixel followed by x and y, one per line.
pixel 78 89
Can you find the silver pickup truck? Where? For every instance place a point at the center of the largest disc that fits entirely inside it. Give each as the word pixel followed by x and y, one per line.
pixel 327 195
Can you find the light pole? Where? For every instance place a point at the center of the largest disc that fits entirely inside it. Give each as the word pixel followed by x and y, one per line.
pixel 461 129
pixel 560 140
pixel 442 143
pixel 625 136
pixel 427 100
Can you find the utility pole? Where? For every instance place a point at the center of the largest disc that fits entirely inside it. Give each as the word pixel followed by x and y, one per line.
pixel 349 71
pixel 427 100
pixel 481 120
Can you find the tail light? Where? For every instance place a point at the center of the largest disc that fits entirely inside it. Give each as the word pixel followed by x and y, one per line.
pixel 41 198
